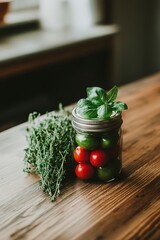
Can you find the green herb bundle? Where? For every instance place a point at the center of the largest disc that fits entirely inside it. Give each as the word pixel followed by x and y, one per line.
pixel 100 104
pixel 50 150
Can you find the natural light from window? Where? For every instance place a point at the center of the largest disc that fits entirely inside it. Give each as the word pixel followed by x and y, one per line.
pixel 17 5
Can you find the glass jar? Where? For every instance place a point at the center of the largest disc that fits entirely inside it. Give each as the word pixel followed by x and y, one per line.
pixel 101 138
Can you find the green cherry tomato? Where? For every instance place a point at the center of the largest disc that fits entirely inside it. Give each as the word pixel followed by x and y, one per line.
pixel 86 141
pixel 110 172
pixel 109 141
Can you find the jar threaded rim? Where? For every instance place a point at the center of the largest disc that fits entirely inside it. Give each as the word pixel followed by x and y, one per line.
pixel 95 125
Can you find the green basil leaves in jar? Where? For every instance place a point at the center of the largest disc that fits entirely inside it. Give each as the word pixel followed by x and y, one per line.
pixel 97 120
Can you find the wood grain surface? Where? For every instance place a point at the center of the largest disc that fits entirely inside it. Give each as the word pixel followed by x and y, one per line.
pixel 128 209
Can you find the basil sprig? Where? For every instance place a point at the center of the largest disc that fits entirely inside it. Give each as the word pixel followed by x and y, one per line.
pixel 100 104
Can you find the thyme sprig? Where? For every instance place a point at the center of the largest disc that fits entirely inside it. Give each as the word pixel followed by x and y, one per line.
pixel 50 149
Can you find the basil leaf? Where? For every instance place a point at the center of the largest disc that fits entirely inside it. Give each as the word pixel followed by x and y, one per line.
pixel 83 102
pixel 96 101
pixel 97 95
pixel 119 106
pixel 112 94
pixel 100 104
pixel 88 111
pixel 104 111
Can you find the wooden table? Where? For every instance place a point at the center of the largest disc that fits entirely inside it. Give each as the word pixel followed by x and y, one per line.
pixel 127 209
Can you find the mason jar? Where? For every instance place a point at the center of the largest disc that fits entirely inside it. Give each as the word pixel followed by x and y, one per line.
pixel 102 138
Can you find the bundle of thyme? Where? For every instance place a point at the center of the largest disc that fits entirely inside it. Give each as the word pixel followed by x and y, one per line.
pixel 50 149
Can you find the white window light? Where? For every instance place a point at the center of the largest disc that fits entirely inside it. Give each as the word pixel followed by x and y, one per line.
pixel 17 5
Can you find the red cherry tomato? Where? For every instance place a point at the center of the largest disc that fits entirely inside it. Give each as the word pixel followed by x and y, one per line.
pixel 81 155
pixel 98 158
pixel 84 171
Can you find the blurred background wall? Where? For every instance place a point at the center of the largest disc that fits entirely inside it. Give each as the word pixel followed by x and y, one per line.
pixel 137 47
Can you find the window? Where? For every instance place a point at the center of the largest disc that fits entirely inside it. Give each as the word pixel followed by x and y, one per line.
pixel 18 5
pixel 21 12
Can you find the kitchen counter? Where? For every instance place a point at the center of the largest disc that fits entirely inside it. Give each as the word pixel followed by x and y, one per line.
pixel 126 209
pixel 28 50
pixel 33 59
